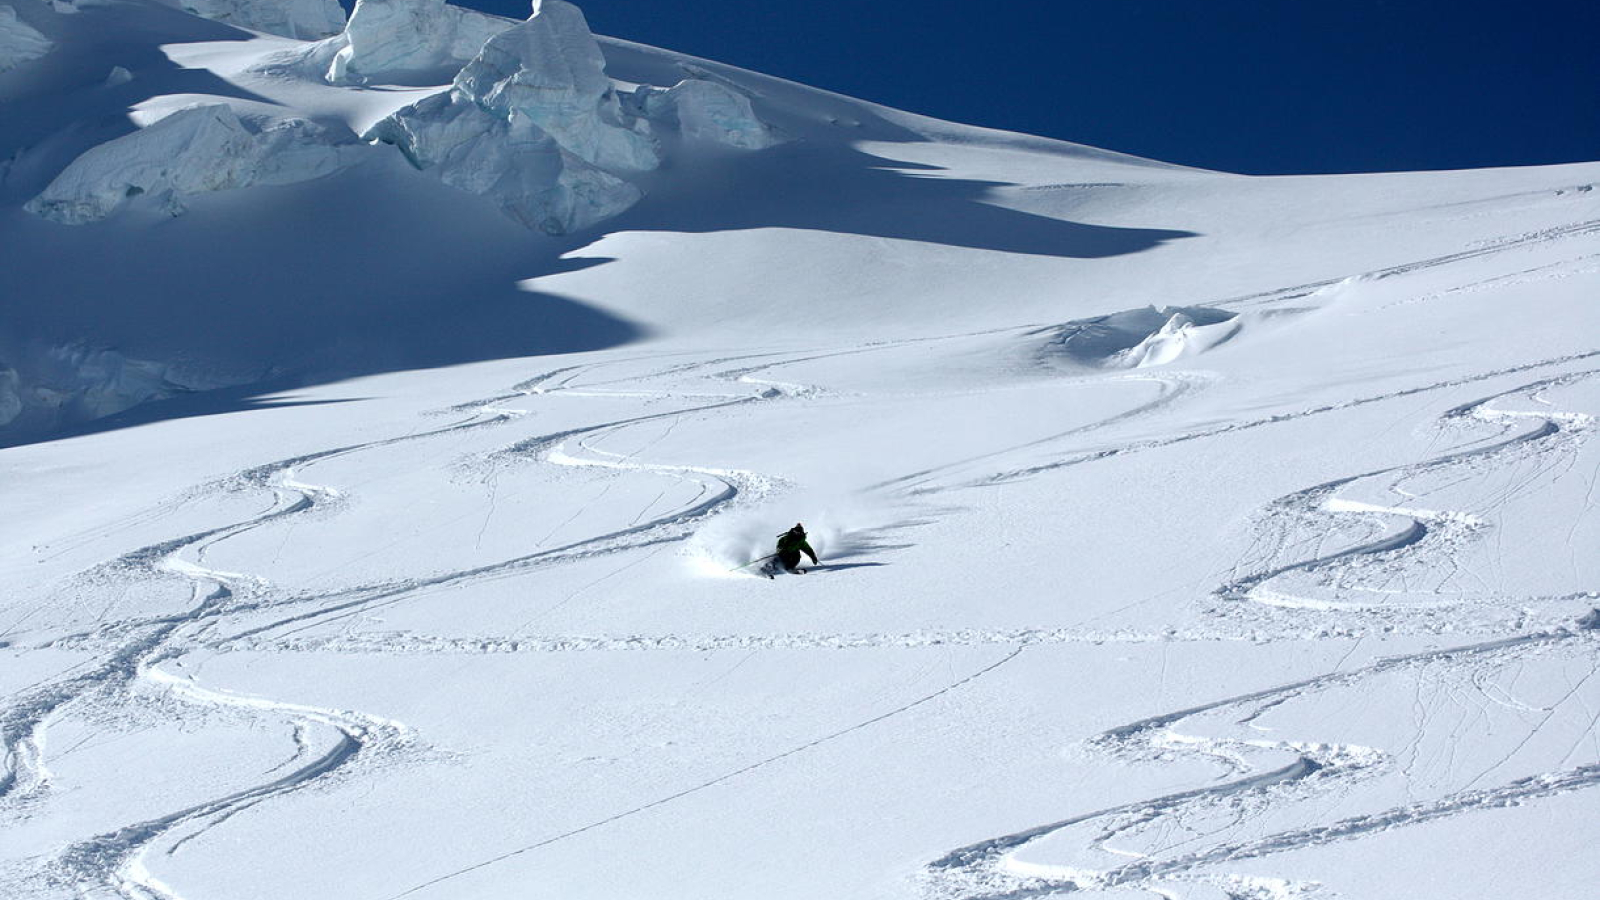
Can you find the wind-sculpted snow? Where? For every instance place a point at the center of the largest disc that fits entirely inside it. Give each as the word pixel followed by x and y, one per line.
pixel 196 150
pixel 19 42
pixel 1139 338
pixel 301 19
pixel 400 41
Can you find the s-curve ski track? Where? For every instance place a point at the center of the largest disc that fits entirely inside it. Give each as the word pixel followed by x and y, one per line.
pixel 1391 575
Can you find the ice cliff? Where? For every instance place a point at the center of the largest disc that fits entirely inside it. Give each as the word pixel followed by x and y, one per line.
pixel 47 387
pixel 705 112
pixel 302 19
pixel 534 123
pixel 530 120
pixel 192 151
pixel 402 41
pixel 19 41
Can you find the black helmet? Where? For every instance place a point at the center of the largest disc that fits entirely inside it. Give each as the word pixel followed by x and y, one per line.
pixel 798 528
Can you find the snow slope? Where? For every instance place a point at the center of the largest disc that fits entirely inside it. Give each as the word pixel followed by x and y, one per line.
pixel 1183 534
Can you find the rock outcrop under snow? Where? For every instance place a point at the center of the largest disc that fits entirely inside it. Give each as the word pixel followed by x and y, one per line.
pixel 192 151
pixel 398 41
pixel 302 19
pixel 19 42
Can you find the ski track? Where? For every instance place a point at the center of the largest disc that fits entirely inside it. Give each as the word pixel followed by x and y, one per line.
pixel 987 870
pixel 1425 536
pixel 115 860
pixel 135 655
pixel 112 860
pixel 990 869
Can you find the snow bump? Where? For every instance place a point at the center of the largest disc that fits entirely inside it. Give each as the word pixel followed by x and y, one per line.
pixel 1140 338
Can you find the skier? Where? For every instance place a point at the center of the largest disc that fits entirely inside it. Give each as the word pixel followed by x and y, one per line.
pixel 790 545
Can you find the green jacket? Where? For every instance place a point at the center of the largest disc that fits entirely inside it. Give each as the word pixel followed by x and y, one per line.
pixel 789 542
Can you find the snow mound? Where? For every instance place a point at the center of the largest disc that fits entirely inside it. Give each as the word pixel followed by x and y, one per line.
pixel 300 19
pixel 407 41
pixel 192 151
pixel 1140 338
pixel 19 42
pixel 707 112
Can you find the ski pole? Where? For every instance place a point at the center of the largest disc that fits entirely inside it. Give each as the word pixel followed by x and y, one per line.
pixel 753 562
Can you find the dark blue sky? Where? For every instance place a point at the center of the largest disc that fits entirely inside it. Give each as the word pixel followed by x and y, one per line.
pixel 1255 86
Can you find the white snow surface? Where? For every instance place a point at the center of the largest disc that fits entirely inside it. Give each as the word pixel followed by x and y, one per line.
pixel 1182 534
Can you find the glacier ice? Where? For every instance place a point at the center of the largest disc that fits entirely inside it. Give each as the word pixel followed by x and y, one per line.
pixel 707 112
pixel 511 161
pixel 302 19
pixel 407 40
pixel 550 70
pixel 194 150
pixel 43 387
pixel 19 41
pixel 534 123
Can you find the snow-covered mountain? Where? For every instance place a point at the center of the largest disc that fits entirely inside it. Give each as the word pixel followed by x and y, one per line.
pixel 394 410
